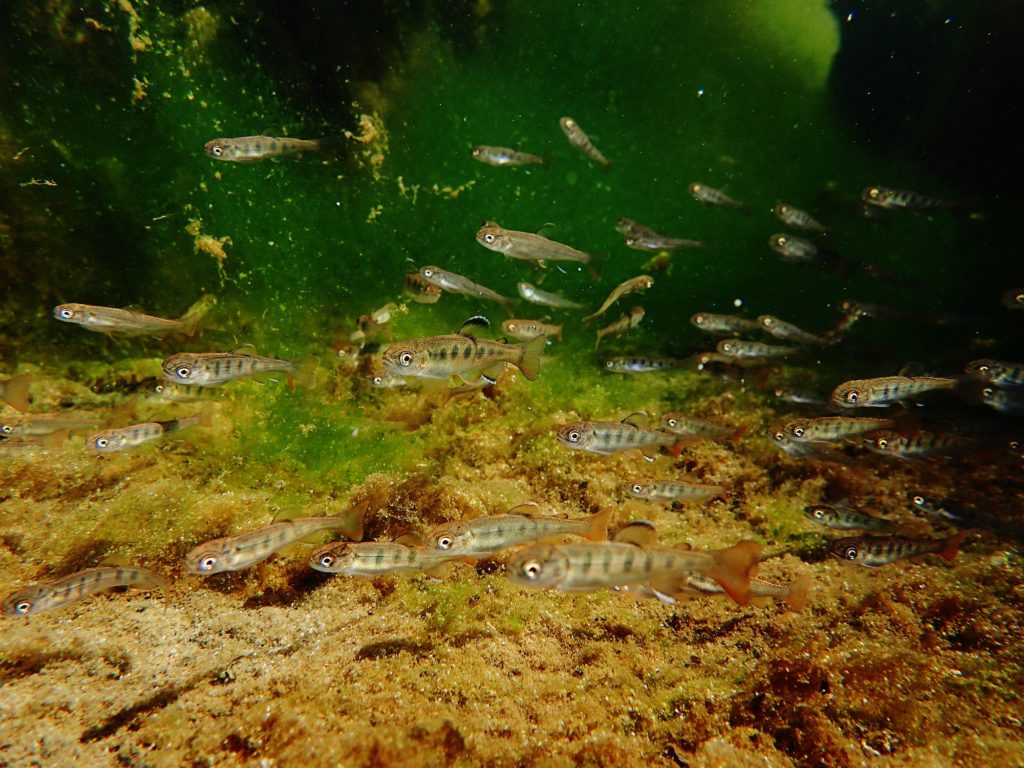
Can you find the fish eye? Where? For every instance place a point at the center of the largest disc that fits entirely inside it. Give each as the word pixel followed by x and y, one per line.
pixel 852 396
pixel 405 359
pixel 698 319
pixel 919 500
pixel 780 436
pixel 444 542
pixel 783 208
pixel 819 514
pixel 532 569
pixel 882 443
pixel 727 347
pixel 850 553
pixel 874 192
pixel 158 388
pixel 7 429
pixel 216 150
pixel 673 422
pixel 608 363
pixel 489 238
pixel 67 314
pixel 428 272
pixel 23 607
pixel 208 563
pixel 988 393
pixel 573 436
pixel 183 371
pixel 326 561
pixel 102 442
pixel 781 240
pixel 1014 445
pixel 798 431
pixel 767 322
pixel 378 380
pixel 637 489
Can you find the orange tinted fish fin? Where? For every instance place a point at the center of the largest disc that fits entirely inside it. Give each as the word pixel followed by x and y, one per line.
pixel 671 583
pixel 639 532
pixel 15 392
pixel 739 433
pixel 952 547
pixel 677 447
pixel 598 530
pixel 529 364
pixel 799 588
pixel 355 523
pixel 734 567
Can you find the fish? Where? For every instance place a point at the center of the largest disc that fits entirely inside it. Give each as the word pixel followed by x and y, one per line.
pixel 388 381
pixel 710 196
pixel 1010 402
pixel 794 594
pixel 526 246
pixel 633 285
pixel 876 551
pixel 630 364
pixel 252 149
pixel 780 329
pixel 795 249
pixel 535 295
pixel 524 330
pixel 235 553
pixel 369 559
pixel 182 393
pixel 673 491
pixel 845 519
pixel 503 156
pixel 33 425
pixel 901 199
pixel 52 441
pixel 15 391
pixel 582 142
pixel 211 369
pixel 794 217
pixel 376 323
pixel 920 444
pixel 697 430
pixel 632 559
pixel 884 390
pixel 487 535
pixel 799 396
pixel 126 322
pixel 124 438
pixel 462 354
pixel 608 437
pixel 453 283
pixel 739 348
pixel 829 429
pixel 997 372
pixel 420 291
pixel 942 510
pixel 724 324
pixel 1014 298
pixel 59 593
pixel 643 238
pixel 626 322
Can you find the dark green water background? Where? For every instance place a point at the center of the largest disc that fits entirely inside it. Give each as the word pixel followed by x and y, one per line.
pixel 726 93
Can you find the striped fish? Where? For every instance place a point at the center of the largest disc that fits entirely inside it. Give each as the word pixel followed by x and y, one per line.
pixel 252 149
pixel 675 490
pixel 885 390
pixel 60 593
pixel 124 438
pixel 794 217
pixel 211 369
pixel 608 437
pixel 711 196
pixel 369 559
pixel 875 551
pixel 125 322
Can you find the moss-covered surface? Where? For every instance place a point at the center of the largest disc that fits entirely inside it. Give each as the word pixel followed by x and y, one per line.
pixel 909 665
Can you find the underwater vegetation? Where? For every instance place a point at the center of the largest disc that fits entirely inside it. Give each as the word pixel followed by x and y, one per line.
pixel 493 383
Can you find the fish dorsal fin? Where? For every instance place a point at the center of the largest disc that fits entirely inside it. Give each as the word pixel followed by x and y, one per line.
pixel 527 509
pixel 409 540
pixel 490 223
pixel 476 320
pixel 115 561
pixel 629 419
pixel 244 349
pixel 641 533
pixel 546 225
pixel 912 368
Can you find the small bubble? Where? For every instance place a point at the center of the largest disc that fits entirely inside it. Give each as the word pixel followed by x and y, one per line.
pixel 737 303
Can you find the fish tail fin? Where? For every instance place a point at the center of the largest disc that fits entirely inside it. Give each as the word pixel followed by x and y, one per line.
pixel 529 363
pixel 598 342
pixel 16 391
pixel 354 525
pixel 595 264
pixel 304 374
pixel 558 335
pixel 598 530
pixel 952 548
pixel 677 447
pixel 799 588
pixel 194 314
pixel 736 436
pixel 734 567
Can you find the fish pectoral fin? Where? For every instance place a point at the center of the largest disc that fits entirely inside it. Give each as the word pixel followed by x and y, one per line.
pixel 648 458
pixel 492 374
pixel 439 571
pixel 640 532
pixel 671 583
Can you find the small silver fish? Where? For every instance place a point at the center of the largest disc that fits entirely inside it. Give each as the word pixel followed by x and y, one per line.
pixel 503 156
pixel 535 295
pixel 14 391
pixel 33 425
pixel 608 437
pixel 487 535
pixel 875 551
pixel 846 519
pixel 453 283
pixel 633 285
pixel 643 238
pixel 884 390
pixel 527 246
pixel 997 372
pixel 182 393
pixel 697 430
pixel 122 439
pixel 629 364
pixel 795 249
pixel 828 429
pixel 235 553
pixel 794 217
pixel 624 324
pixel 582 142
pixel 741 349
pixel 920 444
pixel 211 369
pixel 524 330
pixel 673 491
pixel 724 324
pixel 125 322
pixel 780 329
pixel 901 199
pixel 799 397
pixel 60 593
pixel 252 149
pixel 711 196
pixel 369 559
